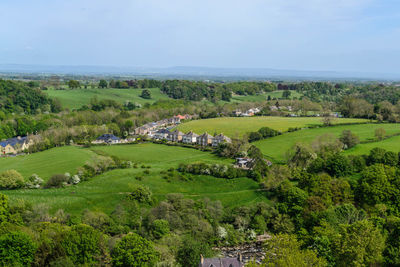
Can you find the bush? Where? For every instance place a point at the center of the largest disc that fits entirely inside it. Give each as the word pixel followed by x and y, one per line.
pixel 141 194
pixel 16 249
pixel 34 181
pixel 57 180
pixel 11 179
pixel 160 228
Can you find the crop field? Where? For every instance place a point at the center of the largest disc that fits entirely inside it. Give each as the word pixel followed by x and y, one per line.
pixel 105 191
pixel 76 98
pixel 49 162
pixel 275 148
pixel 263 97
pixel 238 126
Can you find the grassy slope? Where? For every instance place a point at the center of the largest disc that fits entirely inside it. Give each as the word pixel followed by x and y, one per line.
pixel 232 126
pixel 390 144
pixel 47 163
pixel 275 148
pixel 76 98
pixel 105 191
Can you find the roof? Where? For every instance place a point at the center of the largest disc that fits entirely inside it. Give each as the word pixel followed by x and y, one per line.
pixel 191 134
pixel 14 141
pixel 177 132
pixel 163 131
pixel 206 135
pixel 222 137
pixel 107 137
pixel 221 262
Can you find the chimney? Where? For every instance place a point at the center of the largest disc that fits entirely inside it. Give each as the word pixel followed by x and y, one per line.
pixel 201 259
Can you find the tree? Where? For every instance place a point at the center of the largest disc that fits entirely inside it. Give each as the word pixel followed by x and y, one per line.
pixel 359 244
pixel 133 250
pixel 286 94
pixel 103 84
pixel 301 156
pixel 190 251
pixel 16 249
pixel 349 139
pixel 82 244
pixel 73 84
pixel 160 228
pixel 285 250
pixel 4 209
pixel 380 133
pixel 146 94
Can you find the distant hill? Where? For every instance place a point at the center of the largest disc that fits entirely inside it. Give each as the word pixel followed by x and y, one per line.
pixel 195 72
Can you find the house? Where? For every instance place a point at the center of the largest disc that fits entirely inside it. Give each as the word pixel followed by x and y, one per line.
pixel 243 163
pixel 190 138
pixel 237 113
pixel 161 134
pixel 221 262
pixel 107 139
pixel 175 136
pixel 142 130
pixel 15 145
pixel 205 139
pixel 220 139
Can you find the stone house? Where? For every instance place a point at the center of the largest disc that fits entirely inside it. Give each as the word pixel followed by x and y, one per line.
pixel 190 138
pixel 220 139
pixel 205 139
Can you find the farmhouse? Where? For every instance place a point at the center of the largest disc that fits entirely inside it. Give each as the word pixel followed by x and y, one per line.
pixel 220 139
pixel 107 139
pixel 15 145
pixel 221 262
pixel 205 139
pixel 161 134
pixel 175 136
pixel 190 138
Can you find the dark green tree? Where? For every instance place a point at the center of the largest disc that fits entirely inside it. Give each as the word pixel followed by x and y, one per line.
pixel 103 84
pixel 146 94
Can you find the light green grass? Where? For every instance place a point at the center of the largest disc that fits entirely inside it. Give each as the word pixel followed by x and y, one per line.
pixel 76 98
pixel 263 96
pixel 104 192
pixel 237 126
pixel 49 162
pixel 276 148
pixel 390 144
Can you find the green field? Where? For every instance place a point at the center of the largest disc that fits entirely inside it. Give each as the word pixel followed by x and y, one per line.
pixel 263 97
pixel 276 148
pixel 237 126
pixel 49 162
pixel 74 99
pixel 390 144
pixel 103 192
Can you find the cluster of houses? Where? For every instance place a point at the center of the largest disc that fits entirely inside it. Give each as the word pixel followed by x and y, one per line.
pixel 248 113
pixel 111 139
pixel 151 127
pixel 190 138
pixel 15 145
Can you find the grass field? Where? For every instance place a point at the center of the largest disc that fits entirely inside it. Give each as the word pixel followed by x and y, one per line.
pixel 233 126
pixel 390 144
pixel 74 99
pixel 49 162
pixel 103 192
pixel 275 148
pixel 263 97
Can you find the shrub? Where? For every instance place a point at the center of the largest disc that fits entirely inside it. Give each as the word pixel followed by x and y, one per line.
pixel 34 181
pixel 74 179
pixel 57 180
pixel 160 228
pixel 11 179
pixel 141 194
pixel 16 249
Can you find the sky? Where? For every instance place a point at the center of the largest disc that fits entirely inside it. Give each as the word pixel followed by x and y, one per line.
pixel 328 35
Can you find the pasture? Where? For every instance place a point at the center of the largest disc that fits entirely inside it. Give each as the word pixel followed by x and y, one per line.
pixel 49 162
pixel 238 126
pixel 76 98
pixel 275 148
pixel 104 192
pixel 390 144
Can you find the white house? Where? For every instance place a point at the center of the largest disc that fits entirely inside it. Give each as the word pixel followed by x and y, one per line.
pixel 190 138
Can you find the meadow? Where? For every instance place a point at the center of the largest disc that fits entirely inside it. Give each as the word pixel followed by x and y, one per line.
pixel 275 148
pixel 389 144
pixel 76 98
pixel 49 162
pixel 238 126
pixel 104 192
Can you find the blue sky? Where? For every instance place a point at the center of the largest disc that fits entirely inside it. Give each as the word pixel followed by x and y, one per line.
pixel 343 35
